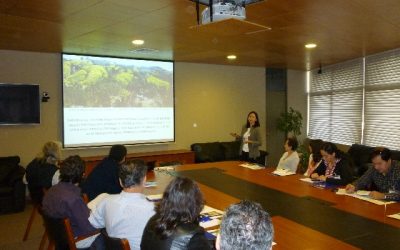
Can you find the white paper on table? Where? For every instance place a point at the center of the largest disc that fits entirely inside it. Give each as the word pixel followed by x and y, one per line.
pixel 307 179
pixel 395 216
pixel 363 192
pixel 282 172
pixel 212 212
pixel 154 197
pixel 148 184
pixel 342 191
pixel 92 205
pixel 210 223
pixel 252 166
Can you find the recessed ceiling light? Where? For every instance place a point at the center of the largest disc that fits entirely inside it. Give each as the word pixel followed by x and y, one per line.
pixel 310 45
pixel 231 57
pixel 138 42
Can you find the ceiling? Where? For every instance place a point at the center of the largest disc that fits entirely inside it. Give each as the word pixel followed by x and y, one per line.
pixel 343 29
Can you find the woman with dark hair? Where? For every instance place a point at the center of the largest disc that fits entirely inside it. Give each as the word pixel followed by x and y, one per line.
pixel 104 177
pixel 314 161
pixel 334 168
pixel 64 200
pixel 42 172
pixel 175 224
pixel 250 138
pixel 290 159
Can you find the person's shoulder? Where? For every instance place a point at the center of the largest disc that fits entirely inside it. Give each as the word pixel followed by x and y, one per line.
pixel 148 204
pixel 199 240
pixel 33 164
pixel 103 167
pixel 396 164
pixel 151 223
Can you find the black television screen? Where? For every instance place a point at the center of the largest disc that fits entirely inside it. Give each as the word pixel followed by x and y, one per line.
pixel 110 101
pixel 19 104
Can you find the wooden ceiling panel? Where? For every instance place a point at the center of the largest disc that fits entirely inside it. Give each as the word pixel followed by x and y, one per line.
pixel 39 9
pixel 342 29
pixel 387 10
pixel 21 33
pixel 149 5
pixel 228 27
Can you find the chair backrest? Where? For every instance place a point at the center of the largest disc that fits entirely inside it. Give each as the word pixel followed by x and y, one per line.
pixel 69 234
pixel 56 232
pixel 112 243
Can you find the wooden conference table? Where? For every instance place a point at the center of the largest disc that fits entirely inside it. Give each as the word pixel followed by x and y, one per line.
pixel 304 217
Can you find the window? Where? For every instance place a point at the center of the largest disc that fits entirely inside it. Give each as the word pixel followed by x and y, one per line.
pixel 382 100
pixel 357 101
pixel 336 99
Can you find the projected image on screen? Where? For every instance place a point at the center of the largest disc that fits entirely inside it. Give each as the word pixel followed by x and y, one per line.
pixel 113 100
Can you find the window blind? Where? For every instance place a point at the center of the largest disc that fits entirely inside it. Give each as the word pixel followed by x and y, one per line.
pixel 382 100
pixel 336 101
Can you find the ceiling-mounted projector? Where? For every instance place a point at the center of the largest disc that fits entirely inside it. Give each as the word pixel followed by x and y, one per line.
pixel 218 10
pixel 223 10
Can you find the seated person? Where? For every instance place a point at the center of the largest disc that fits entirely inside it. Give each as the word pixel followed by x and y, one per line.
pixel 384 177
pixel 315 156
pixel 126 214
pixel 175 224
pixel 42 172
pixel 290 159
pixel 64 200
pixel 334 168
pixel 104 177
pixel 245 225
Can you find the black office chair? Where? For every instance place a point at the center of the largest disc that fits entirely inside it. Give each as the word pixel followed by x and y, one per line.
pixel 112 243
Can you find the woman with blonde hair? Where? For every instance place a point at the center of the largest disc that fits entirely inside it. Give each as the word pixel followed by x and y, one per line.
pixel 42 172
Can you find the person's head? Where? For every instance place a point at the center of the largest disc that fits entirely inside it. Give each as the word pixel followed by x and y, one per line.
pixel 132 173
pixel 51 152
pixel 329 152
pixel 291 144
pixel 182 202
pixel 245 225
pixel 252 120
pixel 118 153
pixel 72 169
pixel 381 159
pixel 315 149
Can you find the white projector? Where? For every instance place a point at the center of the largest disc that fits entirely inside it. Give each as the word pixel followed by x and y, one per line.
pixel 222 11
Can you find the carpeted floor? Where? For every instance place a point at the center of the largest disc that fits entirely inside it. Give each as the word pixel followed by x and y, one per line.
pixel 12 229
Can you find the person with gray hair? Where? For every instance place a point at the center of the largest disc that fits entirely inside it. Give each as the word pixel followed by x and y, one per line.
pixel 126 214
pixel 245 226
pixel 43 171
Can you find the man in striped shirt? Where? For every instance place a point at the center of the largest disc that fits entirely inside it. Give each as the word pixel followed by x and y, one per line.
pixel 383 177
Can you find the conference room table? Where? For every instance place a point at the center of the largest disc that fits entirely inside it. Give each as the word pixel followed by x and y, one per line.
pixel 304 216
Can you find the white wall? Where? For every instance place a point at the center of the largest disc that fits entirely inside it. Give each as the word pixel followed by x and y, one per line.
pixel 214 97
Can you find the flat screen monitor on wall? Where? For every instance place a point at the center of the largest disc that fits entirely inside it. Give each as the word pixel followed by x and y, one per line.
pixel 19 104
pixel 110 101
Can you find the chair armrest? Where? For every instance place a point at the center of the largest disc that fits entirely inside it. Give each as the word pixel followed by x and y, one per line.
pixel 82 237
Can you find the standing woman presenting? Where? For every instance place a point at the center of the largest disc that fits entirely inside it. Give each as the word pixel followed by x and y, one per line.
pixel 250 138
